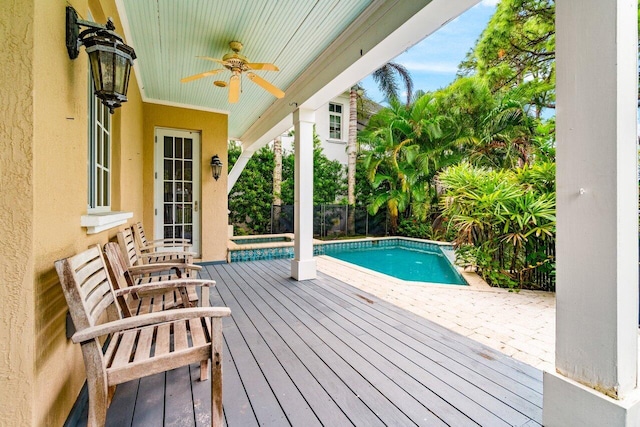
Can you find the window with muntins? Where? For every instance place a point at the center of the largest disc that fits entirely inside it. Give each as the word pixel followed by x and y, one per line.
pixel 335 121
pixel 99 162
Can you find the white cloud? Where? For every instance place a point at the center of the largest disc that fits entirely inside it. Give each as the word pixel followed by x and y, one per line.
pixel 490 3
pixel 431 67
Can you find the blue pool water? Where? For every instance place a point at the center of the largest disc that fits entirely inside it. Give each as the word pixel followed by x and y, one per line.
pixel 404 263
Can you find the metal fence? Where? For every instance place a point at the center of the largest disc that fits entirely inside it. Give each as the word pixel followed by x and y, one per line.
pixel 332 221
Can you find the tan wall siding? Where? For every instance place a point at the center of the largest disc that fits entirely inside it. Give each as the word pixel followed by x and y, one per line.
pixel 16 213
pixel 213 128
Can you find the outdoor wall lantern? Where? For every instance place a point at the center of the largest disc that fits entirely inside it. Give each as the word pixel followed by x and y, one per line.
pixel 216 167
pixel 110 57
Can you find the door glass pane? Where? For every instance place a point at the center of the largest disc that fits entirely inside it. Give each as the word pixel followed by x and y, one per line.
pixel 168 146
pixel 188 148
pixel 188 214
pixel 188 166
pixel 168 170
pixel 168 213
pixel 168 232
pixel 168 192
pixel 179 192
pixel 188 231
pixel 178 172
pixel 178 148
pixel 187 192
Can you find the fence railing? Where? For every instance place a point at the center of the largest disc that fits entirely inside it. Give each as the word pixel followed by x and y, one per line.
pixel 332 221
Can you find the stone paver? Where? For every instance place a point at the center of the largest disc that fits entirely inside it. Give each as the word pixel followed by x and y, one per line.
pixel 519 324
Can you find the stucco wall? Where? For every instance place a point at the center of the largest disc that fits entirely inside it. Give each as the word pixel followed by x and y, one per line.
pixel 16 219
pixel 60 194
pixel 213 128
pixel 43 165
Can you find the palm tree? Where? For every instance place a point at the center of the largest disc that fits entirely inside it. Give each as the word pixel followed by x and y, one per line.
pixel 386 78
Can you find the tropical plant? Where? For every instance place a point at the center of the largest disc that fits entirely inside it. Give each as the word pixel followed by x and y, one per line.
pixel 504 220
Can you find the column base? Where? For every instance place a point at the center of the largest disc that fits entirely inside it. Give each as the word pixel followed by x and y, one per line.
pixel 303 269
pixel 569 403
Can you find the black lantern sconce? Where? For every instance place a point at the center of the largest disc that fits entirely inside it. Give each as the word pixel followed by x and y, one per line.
pixel 216 167
pixel 110 57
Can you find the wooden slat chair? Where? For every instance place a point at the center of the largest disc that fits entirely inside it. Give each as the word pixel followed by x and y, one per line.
pixel 146 245
pixel 137 346
pixel 144 273
pixel 134 303
pixel 127 242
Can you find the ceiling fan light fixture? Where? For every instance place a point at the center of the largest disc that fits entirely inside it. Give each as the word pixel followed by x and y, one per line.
pixel 220 83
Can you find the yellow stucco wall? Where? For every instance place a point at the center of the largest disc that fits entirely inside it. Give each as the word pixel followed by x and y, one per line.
pixel 60 188
pixel 213 130
pixel 16 219
pixel 43 176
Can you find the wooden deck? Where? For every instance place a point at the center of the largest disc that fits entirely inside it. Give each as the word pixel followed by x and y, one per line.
pixel 321 352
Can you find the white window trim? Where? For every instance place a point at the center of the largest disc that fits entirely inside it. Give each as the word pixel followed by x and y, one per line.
pixel 341 115
pixel 98 222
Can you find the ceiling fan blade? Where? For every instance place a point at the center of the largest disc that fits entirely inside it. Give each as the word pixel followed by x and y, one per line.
pixel 262 66
pixel 266 85
pixel 201 75
pixel 219 61
pixel 234 89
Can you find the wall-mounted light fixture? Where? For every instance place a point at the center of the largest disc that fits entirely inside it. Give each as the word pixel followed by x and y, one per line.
pixel 216 167
pixel 110 57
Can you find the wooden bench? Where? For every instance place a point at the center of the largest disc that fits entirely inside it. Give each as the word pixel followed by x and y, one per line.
pixel 137 346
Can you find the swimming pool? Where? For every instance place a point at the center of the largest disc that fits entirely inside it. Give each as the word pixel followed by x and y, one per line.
pixel 426 264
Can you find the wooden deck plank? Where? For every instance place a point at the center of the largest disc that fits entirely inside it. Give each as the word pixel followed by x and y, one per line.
pixel 150 403
pixel 407 394
pixel 297 409
pixel 263 402
pixel 339 340
pixel 123 404
pixel 178 400
pixel 461 372
pixel 352 396
pixel 392 351
pixel 312 377
pixel 515 395
pixel 322 352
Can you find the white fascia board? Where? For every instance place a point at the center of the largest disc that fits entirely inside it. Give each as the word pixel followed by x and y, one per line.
pixel 382 32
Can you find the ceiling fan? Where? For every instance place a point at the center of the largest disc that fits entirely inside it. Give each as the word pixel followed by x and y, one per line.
pixel 238 64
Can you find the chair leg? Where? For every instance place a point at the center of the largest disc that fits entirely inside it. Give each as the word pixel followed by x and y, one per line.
pixel 204 370
pixel 216 373
pixel 98 402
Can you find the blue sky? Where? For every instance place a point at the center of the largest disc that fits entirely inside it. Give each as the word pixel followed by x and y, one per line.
pixel 434 61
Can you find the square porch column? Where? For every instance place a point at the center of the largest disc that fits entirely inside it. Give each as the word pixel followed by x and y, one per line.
pixel 303 265
pixel 595 383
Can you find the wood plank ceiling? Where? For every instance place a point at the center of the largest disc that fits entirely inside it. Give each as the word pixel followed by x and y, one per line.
pixel 168 36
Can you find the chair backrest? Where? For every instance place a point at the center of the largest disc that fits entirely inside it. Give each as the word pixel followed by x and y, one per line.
pixel 86 286
pixel 128 247
pixel 138 232
pixel 120 279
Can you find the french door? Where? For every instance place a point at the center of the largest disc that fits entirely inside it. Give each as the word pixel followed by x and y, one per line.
pixel 177 185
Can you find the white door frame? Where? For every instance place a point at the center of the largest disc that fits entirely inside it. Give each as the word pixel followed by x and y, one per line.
pixel 179 187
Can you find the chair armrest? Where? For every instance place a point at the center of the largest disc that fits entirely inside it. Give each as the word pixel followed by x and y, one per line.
pixel 165 284
pixel 180 254
pixel 156 268
pixel 147 320
pixel 154 245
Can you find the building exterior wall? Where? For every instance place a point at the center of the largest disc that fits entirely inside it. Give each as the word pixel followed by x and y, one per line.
pixel 43 175
pixel 16 213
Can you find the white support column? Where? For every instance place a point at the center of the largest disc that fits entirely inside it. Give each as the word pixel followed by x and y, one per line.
pixel 303 265
pixel 597 196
